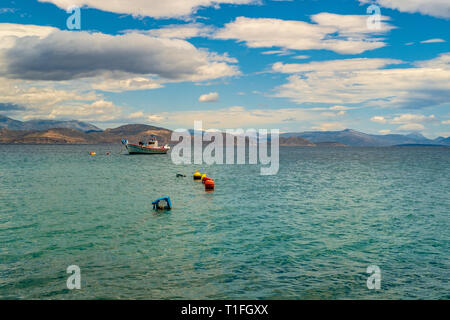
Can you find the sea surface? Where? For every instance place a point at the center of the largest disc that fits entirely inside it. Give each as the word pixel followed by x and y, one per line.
pixel 309 232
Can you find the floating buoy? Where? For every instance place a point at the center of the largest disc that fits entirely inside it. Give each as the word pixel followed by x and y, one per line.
pixel 204 177
pixel 92 153
pixel 197 175
pixel 163 203
pixel 209 184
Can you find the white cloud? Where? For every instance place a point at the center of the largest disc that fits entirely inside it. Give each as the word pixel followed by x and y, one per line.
pixel 329 126
pixel 411 127
pixel 385 131
pixel 240 117
pixel 209 97
pixel 446 122
pixel 436 40
pixel 413 118
pixel 150 8
pixel 114 85
pixel 436 8
pixel 141 116
pixel 340 108
pixel 365 81
pixel 378 119
pixel 10 32
pixel 333 114
pixel 301 57
pixel 279 53
pixel 346 34
pixel 34 95
pixel 100 110
pixel 408 121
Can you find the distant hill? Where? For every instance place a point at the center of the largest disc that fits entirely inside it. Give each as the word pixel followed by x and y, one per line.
pixel 42 125
pixel 442 140
pixel 51 136
pixel 295 141
pixel 77 132
pixel 133 133
pixel 359 139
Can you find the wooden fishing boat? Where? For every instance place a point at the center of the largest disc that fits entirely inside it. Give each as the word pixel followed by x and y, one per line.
pixel 151 147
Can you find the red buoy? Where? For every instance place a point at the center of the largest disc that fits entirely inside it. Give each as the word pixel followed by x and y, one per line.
pixel 209 184
pixel 205 178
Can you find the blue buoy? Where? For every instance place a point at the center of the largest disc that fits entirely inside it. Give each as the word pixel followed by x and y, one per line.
pixel 162 204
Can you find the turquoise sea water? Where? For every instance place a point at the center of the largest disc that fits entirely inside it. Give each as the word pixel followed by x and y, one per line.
pixel 308 232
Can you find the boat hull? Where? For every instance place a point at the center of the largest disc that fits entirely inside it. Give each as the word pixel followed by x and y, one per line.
pixel 135 149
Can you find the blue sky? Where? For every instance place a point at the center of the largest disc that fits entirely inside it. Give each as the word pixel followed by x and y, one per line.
pixel 291 65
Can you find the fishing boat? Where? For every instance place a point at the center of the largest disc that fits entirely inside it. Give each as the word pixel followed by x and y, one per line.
pixel 151 147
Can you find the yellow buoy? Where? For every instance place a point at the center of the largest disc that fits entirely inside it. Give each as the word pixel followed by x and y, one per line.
pixel 92 153
pixel 197 175
pixel 203 176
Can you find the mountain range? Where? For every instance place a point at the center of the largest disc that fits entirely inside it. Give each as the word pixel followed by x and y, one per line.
pixel 40 125
pixel 359 139
pixel 74 132
pixel 78 132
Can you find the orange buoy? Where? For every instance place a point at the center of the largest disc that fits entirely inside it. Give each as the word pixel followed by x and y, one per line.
pixel 209 184
pixel 206 179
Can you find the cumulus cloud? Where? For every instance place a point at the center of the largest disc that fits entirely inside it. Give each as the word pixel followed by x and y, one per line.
pixel 436 8
pixel 100 110
pixel 413 118
pixel 411 127
pixel 144 116
pixel 346 34
pixel 378 119
pixel 209 97
pixel 333 114
pixel 117 85
pixel 65 55
pixel 49 73
pixel 329 126
pixel 150 8
pixel 241 117
pixel 407 121
pixel 340 108
pixel 367 82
